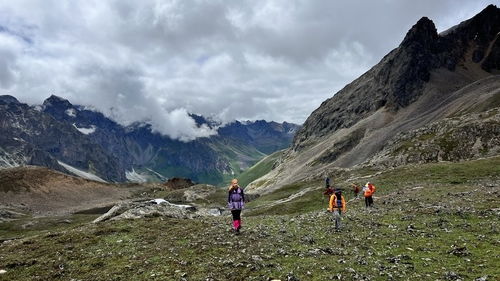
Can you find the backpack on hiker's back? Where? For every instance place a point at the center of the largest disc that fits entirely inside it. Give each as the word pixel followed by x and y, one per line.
pixel 337 201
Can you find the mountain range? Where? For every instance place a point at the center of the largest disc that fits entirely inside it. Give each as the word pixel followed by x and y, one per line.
pixel 82 141
pixel 435 97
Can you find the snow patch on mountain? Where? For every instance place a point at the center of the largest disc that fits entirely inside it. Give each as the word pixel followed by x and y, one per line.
pixel 133 176
pixel 11 160
pixel 230 172
pixel 80 173
pixel 71 112
pixel 162 177
pixel 85 131
pixel 7 162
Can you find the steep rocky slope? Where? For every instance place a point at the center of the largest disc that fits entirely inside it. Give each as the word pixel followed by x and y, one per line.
pixel 28 136
pixel 428 77
pixel 451 139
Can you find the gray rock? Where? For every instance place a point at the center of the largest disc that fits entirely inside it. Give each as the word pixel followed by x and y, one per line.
pixel 113 212
pixel 156 208
pixel 450 275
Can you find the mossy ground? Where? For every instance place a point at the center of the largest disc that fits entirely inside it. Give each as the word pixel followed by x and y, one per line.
pixel 431 222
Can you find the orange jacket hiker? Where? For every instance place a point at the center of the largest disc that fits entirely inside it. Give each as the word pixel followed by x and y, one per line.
pixel 368 192
pixel 333 203
pixel 369 189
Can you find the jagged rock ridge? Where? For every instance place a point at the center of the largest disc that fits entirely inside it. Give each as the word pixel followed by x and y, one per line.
pixel 399 78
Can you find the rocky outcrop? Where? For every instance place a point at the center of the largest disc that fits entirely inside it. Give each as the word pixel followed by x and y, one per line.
pixel 156 208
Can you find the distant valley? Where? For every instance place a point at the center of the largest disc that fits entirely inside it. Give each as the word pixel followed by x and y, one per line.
pixel 80 141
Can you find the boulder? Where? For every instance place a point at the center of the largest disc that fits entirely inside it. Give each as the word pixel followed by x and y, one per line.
pixel 156 208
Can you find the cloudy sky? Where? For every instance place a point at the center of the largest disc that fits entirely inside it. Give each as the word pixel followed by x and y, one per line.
pixel 158 60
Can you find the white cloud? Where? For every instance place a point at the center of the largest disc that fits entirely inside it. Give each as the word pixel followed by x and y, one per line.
pixel 10 49
pixel 158 60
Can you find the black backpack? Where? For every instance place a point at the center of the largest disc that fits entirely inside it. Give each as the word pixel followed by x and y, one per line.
pixel 338 196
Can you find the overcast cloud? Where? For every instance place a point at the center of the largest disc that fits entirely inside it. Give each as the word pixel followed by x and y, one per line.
pixel 159 60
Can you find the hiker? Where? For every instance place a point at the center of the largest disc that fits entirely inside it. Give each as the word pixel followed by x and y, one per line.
pixel 368 190
pixel 355 189
pixel 337 206
pixel 329 191
pixel 328 188
pixel 235 202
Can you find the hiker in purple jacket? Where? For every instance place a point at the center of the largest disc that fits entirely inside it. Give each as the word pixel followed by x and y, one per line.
pixel 235 202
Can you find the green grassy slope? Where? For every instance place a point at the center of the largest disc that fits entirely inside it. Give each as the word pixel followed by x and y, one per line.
pixel 261 168
pixel 431 222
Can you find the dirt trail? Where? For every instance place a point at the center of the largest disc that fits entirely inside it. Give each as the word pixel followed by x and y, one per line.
pixel 287 199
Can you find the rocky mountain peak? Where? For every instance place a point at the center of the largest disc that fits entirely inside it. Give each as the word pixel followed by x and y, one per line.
pixel 8 99
pixel 59 108
pixel 56 101
pixel 490 12
pixel 403 75
pixel 423 33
